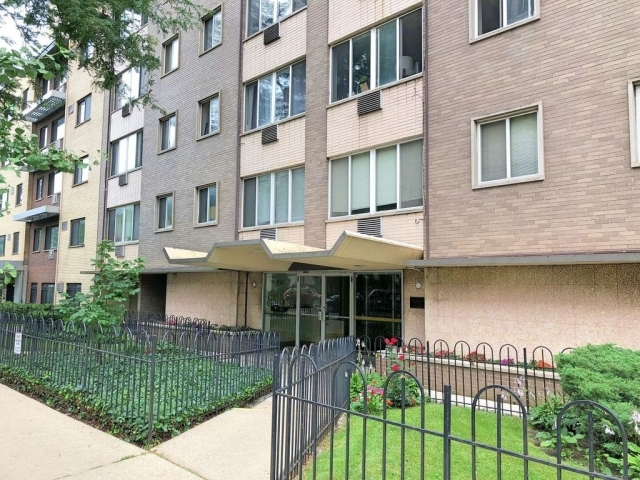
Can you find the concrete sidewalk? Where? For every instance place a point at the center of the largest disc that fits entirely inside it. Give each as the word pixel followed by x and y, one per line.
pixel 39 443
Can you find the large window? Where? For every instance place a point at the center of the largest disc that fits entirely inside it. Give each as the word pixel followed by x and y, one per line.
pixel 81 172
pixel 132 83
pixel 207 201
pixel 126 154
pixel 276 96
pixel 124 224
pixel 209 116
pixel 51 238
pixel 388 178
pixel 77 232
pixel 263 13
pixel 46 294
pixel 507 149
pixel 378 305
pixel 15 248
pixel 84 109
pixel 170 55
pixel 274 198
pixel 168 132
pixel 37 235
pixel 380 56
pixel 164 209
pixel 492 15
pixel 212 30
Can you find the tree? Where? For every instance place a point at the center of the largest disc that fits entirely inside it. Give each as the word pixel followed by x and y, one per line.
pixel 113 284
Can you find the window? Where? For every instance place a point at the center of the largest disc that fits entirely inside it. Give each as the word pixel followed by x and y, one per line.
pixel 3 243
pixel 634 121
pixel 4 201
pixel 15 249
pixel 84 109
pixel 57 130
pixel 207 204
pixel 81 172
pixel 380 56
pixel 25 98
pixel 43 137
pixel 212 30
pixel 37 234
pixel 77 232
pixel 132 83
pixel 274 198
pixel 39 188
pixel 135 21
pixel 124 224
pixel 276 96
pixel 126 154
pixel 263 13
pixel 54 183
pixel 507 149
pixel 170 55
pixel 492 15
pixel 165 212
pixel 51 238
pixel 46 294
pixel 73 289
pixel 19 194
pixel 209 116
pixel 33 295
pixel 388 178
pixel 168 132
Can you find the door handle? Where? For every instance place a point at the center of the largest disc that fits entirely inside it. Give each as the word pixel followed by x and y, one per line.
pixel 320 314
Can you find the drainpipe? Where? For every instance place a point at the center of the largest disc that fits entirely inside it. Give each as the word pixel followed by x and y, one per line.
pixel 425 142
pixel 246 296
pixel 236 234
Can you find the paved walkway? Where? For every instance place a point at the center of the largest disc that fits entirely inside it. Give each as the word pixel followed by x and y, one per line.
pixel 39 443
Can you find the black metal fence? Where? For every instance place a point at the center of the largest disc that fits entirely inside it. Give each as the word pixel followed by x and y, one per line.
pixel 143 381
pixel 318 435
pixel 467 369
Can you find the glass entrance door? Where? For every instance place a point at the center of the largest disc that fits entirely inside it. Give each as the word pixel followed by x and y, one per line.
pixel 311 314
pixel 337 303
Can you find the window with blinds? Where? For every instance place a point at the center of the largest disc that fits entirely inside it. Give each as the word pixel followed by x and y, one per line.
pixel 274 198
pixel 508 148
pixel 384 179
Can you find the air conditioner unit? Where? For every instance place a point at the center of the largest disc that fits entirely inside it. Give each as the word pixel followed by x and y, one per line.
pixel 65 225
pixel 119 251
pixel 59 287
pixel 8 237
pixel 11 191
pixel 126 110
pixel 123 179
pixel 54 199
pixel 52 254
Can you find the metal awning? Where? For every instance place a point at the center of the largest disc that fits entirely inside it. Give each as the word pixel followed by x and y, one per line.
pixel 352 251
pixel 49 103
pixel 36 214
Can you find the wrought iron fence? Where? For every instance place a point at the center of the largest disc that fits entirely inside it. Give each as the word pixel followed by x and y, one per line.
pixel 140 378
pixel 467 369
pixel 317 435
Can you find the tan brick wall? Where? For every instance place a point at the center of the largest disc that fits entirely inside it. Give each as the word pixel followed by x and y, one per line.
pixel 212 296
pixel 401 118
pixel 259 58
pixel 555 306
pixel 294 234
pixel 413 317
pixel 349 17
pixel 129 193
pixel 577 61
pixel 400 227
pixel 7 224
pixel 121 126
pixel 287 152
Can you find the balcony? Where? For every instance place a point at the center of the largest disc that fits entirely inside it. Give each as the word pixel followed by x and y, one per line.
pixel 36 214
pixel 56 144
pixel 45 106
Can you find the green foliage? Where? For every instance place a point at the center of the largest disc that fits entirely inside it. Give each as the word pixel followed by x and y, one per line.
pixel 373 400
pixel 634 461
pixel 544 416
pixel 114 283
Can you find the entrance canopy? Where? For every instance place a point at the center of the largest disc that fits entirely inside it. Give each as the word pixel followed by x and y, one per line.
pixel 352 251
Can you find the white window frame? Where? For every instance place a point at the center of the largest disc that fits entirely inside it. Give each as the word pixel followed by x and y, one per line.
pixel 476 147
pixel 276 17
pixel 372 185
pixel 272 200
pixel 196 202
pixel 84 172
pixel 161 124
pixel 129 165
pixel 203 32
pixel 474 34
pixel 199 116
pixel 125 82
pixel 373 74
pixel 634 121
pixel 273 98
pixel 174 44
pixel 4 201
pixel 82 110
pixel 168 220
pixel 124 222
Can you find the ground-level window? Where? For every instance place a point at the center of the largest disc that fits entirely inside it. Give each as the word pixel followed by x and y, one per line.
pixel 46 293
pixel 33 294
pixel 378 305
pixel 73 289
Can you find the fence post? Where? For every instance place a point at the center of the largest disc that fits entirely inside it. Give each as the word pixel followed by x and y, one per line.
pixel 446 448
pixel 526 378
pixel 274 414
pixel 152 386
pixel 428 370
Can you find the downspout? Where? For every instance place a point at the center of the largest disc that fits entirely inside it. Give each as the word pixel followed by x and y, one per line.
pixel 246 296
pixel 425 141
pixel 236 234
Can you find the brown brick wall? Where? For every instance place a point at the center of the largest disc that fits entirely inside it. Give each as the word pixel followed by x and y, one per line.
pixel 576 61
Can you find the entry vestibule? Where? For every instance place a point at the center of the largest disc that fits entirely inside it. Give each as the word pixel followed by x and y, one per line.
pixel 309 307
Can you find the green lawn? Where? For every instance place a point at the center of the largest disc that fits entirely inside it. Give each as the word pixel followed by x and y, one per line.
pixel 512 468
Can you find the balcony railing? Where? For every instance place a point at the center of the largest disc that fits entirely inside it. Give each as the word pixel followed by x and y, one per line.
pixel 45 106
pixel 57 144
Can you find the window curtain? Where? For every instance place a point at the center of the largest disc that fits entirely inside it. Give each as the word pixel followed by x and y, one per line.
pixel 298 88
pixel 524 144
pixel 386 179
pixel 264 200
pixel 360 183
pixel 282 197
pixel 297 195
pixel 340 187
pixel 518 10
pixel 493 139
pixel 411 175
pixel 386 43
pixel 250 106
pixel 249 203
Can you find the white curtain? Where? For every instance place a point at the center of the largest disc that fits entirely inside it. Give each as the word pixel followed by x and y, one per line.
pixel 340 187
pixel 297 195
pixel 524 145
pixel 360 183
pixel 411 175
pixel 493 139
pixel 264 199
pixel 386 178
pixel 282 197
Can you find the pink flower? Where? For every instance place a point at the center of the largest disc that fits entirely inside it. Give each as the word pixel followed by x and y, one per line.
pixel 395 367
pixel 400 357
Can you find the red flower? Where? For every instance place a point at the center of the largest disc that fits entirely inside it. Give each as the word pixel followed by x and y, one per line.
pixel 393 341
pixel 395 367
pixel 387 341
pixel 400 357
